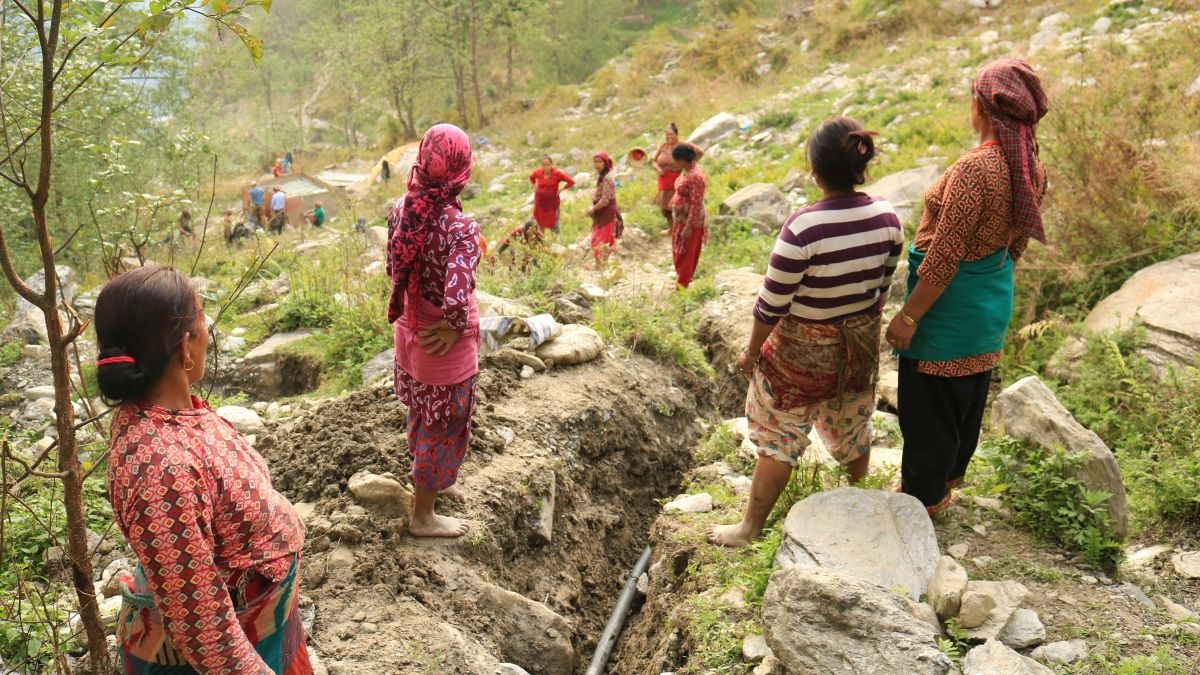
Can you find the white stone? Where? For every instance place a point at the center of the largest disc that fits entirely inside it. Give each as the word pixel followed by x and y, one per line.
pixel 1187 564
pixel 697 503
pixel 1061 653
pixel 1176 611
pixel 1101 26
pixel 1029 411
pixel 888 389
pixel 754 648
pixel 714 129
pixel 946 588
pixel 759 201
pixel 851 530
pixel 1145 557
pixel 233 345
pixel 510 669
pixel 1194 88
pixel 376 490
pixel 577 344
pixel 29 323
pixel 1054 21
pixel 245 420
pixel 826 621
pixel 43 391
pixel 1006 597
pixel 989 37
pixel 593 292
pixel 905 189
pixel 974 609
pixel 994 658
pixel 960 550
pixel 380 366
pixel 1024 629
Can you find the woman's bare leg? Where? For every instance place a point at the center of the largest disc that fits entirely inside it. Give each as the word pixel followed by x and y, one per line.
pixel 453 492
pixel 859 468
pixel 770 478
pixel 426 523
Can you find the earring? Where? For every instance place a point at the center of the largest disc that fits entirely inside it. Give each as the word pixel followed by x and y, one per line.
pixel 189 363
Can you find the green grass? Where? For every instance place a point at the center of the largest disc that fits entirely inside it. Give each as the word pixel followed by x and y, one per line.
pixel 661 328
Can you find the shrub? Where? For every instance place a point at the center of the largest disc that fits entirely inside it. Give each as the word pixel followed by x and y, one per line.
pixel 659 328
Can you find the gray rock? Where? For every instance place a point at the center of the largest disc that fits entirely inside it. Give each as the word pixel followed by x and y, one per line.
pixel 274 369
pixel 1006 597
pixel 1187 564
pixel 527 632
pixel 380 491
pixel 905 189
pixel 697 503
pixel 974 609
pixel 29 324
pixel 245 420
pixel 1193 88
pixel 1029 411
pixel 1145 557
pixel 959 550
pixel 1061 653
pixel 1176 611
pixel 759 201
pixel 577 344
pixel 888 389
pixel 947 586
pixel 1023 630
pixel 993 658
pixel 1101 26
pixel 380 366
pixel 713 129
pixel 377 236
pixel 43 391
pixel 851 530
pixel 1137 594
pixel 754 648
pixel 826 621
pixel 542 526
pixel 924 612
pixel 517 359
pixel 510 669
pixel 769 666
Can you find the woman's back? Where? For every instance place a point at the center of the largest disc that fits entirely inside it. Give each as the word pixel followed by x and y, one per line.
pixel 832 260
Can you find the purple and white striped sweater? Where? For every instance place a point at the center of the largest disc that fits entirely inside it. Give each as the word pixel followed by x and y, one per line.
pixel 832 260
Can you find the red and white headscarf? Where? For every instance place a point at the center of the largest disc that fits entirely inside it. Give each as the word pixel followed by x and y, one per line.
pixel 1011 95
pixel 440 173
pixel 608 164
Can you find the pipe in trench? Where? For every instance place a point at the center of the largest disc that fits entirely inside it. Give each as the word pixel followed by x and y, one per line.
pixel 616 621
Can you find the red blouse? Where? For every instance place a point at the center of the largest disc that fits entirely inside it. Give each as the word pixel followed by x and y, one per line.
pixel 544 183
pixel 195 502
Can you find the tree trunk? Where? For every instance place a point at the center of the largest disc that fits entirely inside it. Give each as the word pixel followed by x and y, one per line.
pixel 508 62
pixel 460 93
pixel 474 28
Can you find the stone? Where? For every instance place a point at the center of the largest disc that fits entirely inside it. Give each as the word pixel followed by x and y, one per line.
pixel 754 648
pixel 274 369
pixel 1193 88
pixel 43 391
pixel 947 586
pixel 724 332
pixel 577 344
pixel 28 325
pixel 905 189
pixel 542 525
pixel 698 503
pixel 311 247
pixel 592 292
pixel 1029 411
pixel 769 666
pixel 233 345
pixel 1134 592
pixel 1187 564
pixel 826 621
pixel 1004 596
pixel 1101 26
pixel 245 420
pixel 989 37
pixel 510 669
pixel 974 609
pixel 1061 653
pixel 380 491
pixel 888 389
pixel 1160 298
pixel 109 609
pixel 1176 611
pixel 960 550
pixel 993 658
pixel 851 530
pixel 1023 630
pixel 380 366
pixel 527 632
pixel 925 612
pixel 758 201
pixel 1145 557
pixel 517 359
pixel 714 129
pixel 340 560
pixel 377 236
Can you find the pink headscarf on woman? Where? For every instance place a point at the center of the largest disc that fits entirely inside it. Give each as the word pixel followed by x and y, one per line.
pixel 440 173
pixel 1011 95
pixel 608 164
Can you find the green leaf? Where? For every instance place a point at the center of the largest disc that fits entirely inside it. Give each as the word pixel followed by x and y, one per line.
pixel 254 44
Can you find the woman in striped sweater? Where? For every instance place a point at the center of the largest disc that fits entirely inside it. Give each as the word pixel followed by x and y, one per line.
pixel 813 354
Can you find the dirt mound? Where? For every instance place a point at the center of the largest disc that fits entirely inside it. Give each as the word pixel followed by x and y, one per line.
pixel 562 484
pixel 725 329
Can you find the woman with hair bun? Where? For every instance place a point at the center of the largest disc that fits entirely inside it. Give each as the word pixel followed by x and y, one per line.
pixel 216 587
pixel 813 354
pixel 668 171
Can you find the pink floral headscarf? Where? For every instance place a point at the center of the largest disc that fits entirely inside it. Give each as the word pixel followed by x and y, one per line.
pixel 440 173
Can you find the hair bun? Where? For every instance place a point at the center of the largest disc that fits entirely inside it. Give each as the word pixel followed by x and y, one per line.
pixel 861 143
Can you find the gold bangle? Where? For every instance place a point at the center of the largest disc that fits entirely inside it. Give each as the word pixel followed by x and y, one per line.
pixel 912 323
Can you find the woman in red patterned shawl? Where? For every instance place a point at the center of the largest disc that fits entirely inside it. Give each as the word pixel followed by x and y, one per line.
pixel 548 182
pixel 216 587
pixel 433 252
pixel 605 213
pixel 689 225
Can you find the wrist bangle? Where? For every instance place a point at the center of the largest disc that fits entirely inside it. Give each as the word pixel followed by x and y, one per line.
pixel 912 323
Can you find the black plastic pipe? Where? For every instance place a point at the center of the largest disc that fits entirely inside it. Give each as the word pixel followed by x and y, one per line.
pixel 616 621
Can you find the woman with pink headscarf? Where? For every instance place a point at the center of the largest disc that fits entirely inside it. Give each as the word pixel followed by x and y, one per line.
pixel 979 217
pixel 433 251
pixel 606 216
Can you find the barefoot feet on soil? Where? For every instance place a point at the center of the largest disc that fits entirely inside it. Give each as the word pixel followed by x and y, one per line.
pixel 737 535
pixel 453 492
pixel 437 526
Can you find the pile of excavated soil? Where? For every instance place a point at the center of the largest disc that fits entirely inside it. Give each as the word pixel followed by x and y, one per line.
pixel 562 479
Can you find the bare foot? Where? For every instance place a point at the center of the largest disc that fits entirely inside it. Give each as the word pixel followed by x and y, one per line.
pixel 733 536
pixel 437 526
pixel 453 492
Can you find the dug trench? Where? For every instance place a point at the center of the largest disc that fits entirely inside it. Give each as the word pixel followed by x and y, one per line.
pixel 563 479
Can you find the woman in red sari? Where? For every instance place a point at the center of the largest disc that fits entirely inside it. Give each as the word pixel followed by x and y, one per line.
pixel 668 172
pixel 604 211
pixel 548 182
pixel 689 228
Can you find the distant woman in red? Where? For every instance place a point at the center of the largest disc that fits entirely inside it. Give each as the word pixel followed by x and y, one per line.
pixel 689 225
pixel 604 211
pixel 668 172
pixel 548 182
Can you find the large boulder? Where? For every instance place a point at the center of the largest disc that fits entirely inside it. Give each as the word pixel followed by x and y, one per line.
pixel 1029 411
pixel 999 600
pixel 577 344
pixel 714 129
pixel 1162 298
pixel 993 658
pixel 528 632
pixel 759 201
pixel 275 368
pixel 852 530
pixel 905 189
pixel 724 330
pixel 29 324
pixel 380 366
pixel 245 420
pixel 825 621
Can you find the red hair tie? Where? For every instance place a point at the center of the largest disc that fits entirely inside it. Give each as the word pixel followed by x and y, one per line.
pixel 116 359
